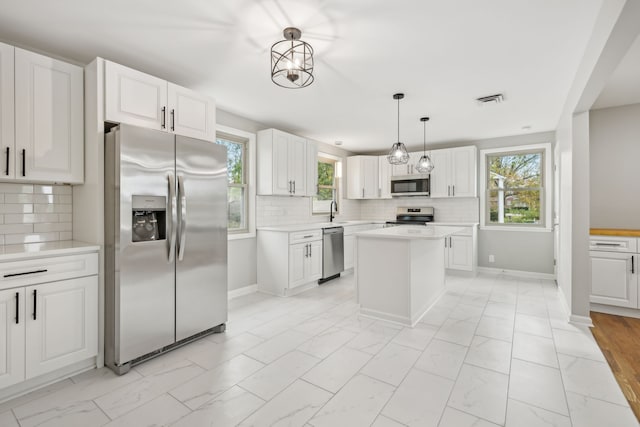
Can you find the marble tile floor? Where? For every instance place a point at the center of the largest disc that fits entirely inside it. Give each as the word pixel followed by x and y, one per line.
pixel 494 351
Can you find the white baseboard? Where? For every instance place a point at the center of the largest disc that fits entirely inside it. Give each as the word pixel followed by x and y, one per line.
pixel 517 273
pixel 581 320
pixel 616 311
pixel 246 290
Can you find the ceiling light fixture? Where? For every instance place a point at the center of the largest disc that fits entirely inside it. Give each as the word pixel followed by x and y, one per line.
pixel 398 154
pixel 424 165
pixel 292 61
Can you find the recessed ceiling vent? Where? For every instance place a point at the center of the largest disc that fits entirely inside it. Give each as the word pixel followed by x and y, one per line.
pixel 491 99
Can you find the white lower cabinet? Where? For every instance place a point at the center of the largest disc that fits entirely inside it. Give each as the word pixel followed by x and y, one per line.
pixel 11 337
pixel 62 324
pixel 287 261
pixel 614 271
pixel 48 317
pixel 305 263
pixel 459 253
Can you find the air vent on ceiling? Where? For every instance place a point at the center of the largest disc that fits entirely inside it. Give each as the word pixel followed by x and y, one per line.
pixel 491 99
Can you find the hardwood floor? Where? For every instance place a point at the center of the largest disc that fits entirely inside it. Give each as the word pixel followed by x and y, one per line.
pixel 619 339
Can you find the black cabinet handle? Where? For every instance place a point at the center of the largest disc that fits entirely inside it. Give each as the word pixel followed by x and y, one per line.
pixel 35 303
pixel 163 122
pixel 173 119
pixel 24 157
pixel 44 270
pixel 632 265
pixel 6 172
pixel 17 308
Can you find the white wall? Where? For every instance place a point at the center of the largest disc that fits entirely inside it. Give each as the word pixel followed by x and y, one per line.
pixel 614 148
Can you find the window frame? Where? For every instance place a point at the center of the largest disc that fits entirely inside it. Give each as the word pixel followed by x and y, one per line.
pixel 546 184
pixel 248 140
pixel 337 163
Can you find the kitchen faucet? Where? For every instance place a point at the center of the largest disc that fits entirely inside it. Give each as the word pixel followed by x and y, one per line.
pixel 331 215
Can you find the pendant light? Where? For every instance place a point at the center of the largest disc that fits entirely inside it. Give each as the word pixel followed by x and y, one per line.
pixel 398 154
pixel 292 61
pixel 424 165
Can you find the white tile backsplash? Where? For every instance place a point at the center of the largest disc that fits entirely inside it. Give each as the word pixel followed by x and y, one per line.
pixel 31 213
pixel 281 210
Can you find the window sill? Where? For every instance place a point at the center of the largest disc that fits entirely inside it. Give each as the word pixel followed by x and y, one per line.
pixel 516 228
pixel 240 236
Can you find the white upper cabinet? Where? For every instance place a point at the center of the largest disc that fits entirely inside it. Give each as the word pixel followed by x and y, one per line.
pixel 134 97
pixel 362 177
pixel 409 168
pixel 312 168
pixel 455 172
pixel 191 114
pixel 49 119
pixel 140 99
pixel 284 165
pixel 384 178
pixel 7 135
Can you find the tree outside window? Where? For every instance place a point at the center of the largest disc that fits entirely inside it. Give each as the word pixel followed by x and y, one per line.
pixel 327 188
pixel 237 182
pixel 515 188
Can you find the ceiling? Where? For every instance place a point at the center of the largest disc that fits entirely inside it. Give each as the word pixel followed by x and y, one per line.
pixel 441 54
pixel 623 87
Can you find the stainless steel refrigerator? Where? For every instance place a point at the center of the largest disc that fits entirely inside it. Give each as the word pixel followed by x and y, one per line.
pixel 165 242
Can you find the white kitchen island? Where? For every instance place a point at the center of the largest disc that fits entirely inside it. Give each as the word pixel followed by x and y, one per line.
pixel 400 271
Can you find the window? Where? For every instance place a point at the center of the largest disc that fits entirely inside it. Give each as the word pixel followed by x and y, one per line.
pixel 514 182
pixel 327 184
pixel 237 181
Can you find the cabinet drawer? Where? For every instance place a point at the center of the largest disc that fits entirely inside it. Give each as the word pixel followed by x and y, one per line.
pixel 305 236
pixel 41 270
pixel 613 244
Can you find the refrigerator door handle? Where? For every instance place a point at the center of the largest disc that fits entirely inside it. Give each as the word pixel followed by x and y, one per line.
pixel 183 217
pixel 172 217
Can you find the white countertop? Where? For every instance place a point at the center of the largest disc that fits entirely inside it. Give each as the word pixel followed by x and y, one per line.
pixel 410 232
pixel 315 225
pixel 35 250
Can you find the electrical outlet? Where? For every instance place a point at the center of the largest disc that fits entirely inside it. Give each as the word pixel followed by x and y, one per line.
pixel 492 258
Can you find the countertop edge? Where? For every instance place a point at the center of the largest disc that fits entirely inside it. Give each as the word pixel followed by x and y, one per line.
pixel 620 232
pixel 43 250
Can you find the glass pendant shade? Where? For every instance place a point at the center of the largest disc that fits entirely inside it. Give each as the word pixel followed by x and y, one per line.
pixel 398 154
pixel 424 165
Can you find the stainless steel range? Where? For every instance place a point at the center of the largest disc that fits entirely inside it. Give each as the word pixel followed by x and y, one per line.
pixel 412 216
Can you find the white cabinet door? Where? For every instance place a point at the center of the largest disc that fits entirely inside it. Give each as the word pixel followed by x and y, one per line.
pixel 191 113
pixel 354 182
pixel 614 279
pixel 314 261
pixel 369 176
pixel 349 247
pixel 463 172
pixel 439 178
pixel 135 98
pixel 49 117
pixel 62 324
pixel 281 180
pixel 297 164
pixel 460 253
pixel 7 135
pixel 298 255
pixel 384 178
pixel 312 168
pixel 12 321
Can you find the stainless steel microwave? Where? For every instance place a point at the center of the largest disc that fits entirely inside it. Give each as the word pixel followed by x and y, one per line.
pixel 410 185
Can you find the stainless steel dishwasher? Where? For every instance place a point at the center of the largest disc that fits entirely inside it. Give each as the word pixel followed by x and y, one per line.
pixel 332 253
